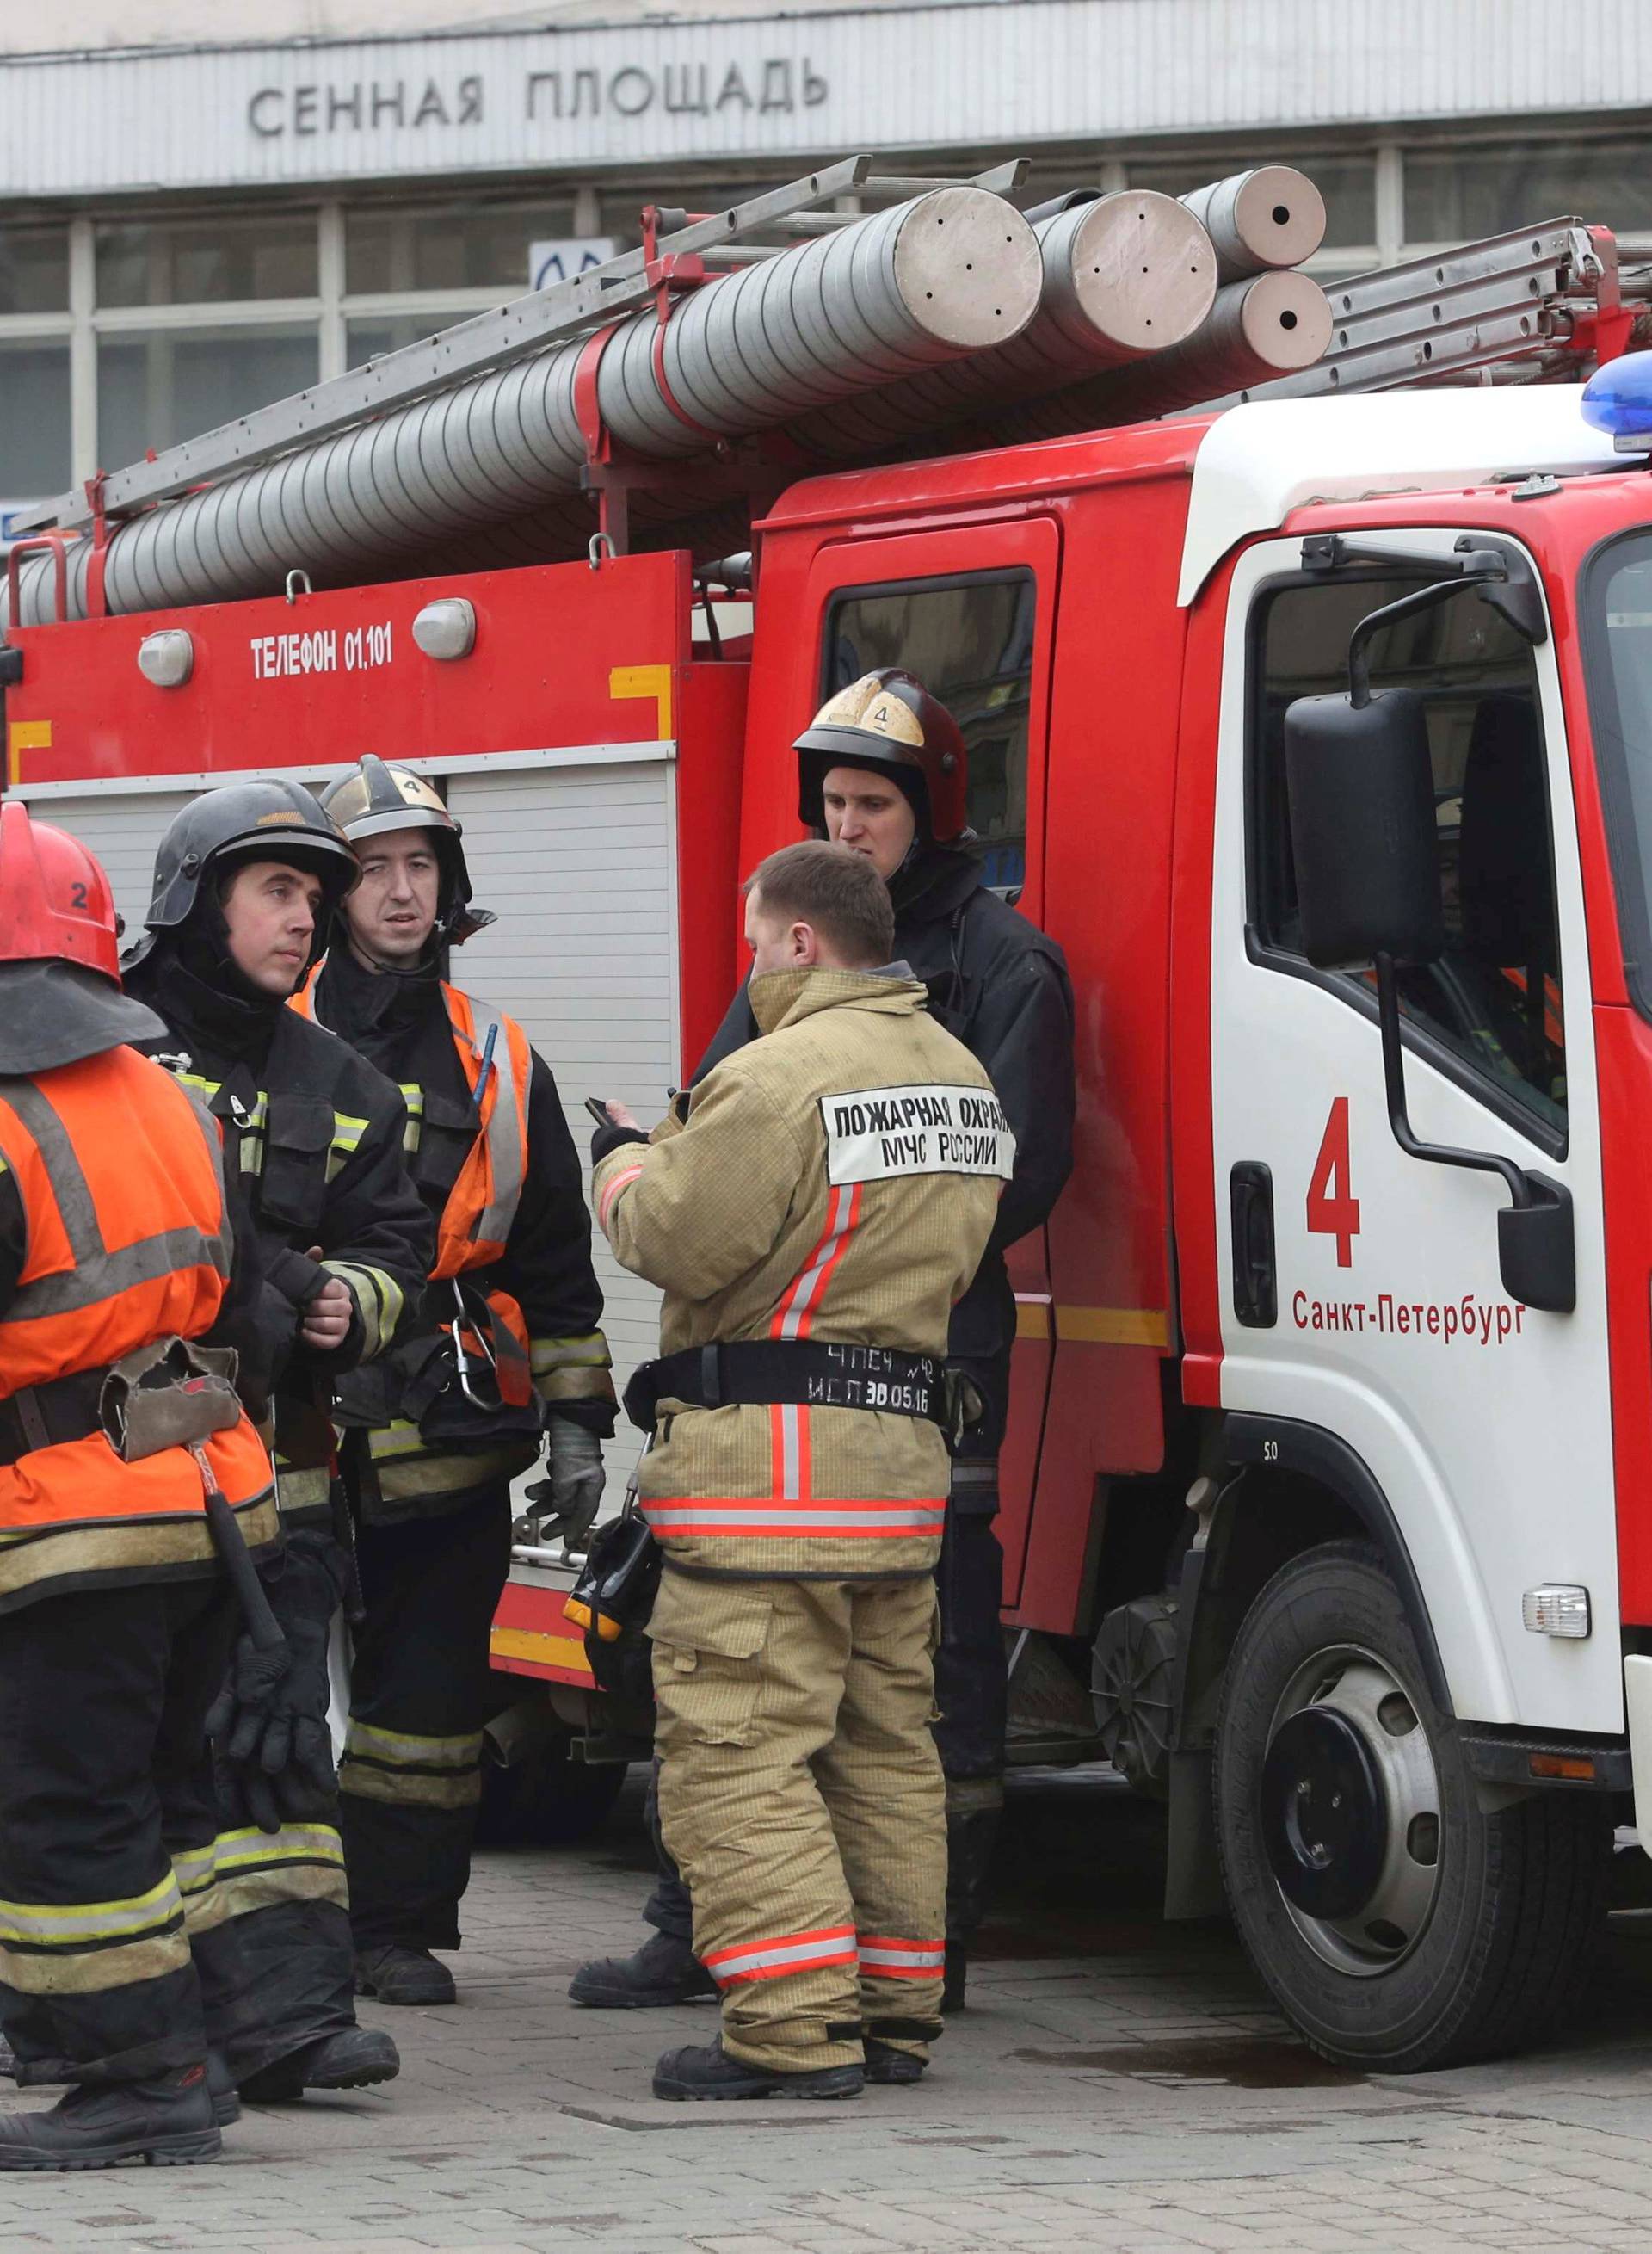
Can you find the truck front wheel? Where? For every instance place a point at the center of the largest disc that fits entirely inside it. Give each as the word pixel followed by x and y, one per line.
pixel 1403 1915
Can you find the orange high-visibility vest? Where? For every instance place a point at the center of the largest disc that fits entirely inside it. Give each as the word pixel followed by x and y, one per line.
pixel 119 1176
pixel 481 1206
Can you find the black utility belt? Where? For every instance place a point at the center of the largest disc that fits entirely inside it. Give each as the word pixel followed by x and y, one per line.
pixel 52 1415
pixel 768 1372
pixel 170 1393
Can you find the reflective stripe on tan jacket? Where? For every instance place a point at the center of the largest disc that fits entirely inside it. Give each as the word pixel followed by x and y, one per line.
pixel 834 1182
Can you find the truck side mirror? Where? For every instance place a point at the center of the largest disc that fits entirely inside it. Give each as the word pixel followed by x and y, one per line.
pixel 1361 788
pixel 1360 785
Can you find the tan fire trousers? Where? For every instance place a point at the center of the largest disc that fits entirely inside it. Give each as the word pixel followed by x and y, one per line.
pixel 801 1798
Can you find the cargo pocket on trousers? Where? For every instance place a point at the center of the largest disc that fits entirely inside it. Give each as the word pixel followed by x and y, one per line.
pixel 708 1642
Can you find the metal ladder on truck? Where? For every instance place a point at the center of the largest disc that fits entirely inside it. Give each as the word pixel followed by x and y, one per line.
pixel 1531 307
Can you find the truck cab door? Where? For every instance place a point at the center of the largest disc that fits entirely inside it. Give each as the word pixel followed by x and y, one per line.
pixel 971 611
pixel 1360 1294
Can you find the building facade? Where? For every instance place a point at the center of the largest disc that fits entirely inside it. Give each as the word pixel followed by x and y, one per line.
pixel 188 230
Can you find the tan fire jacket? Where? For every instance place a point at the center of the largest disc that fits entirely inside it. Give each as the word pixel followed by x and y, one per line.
pixel 834 1181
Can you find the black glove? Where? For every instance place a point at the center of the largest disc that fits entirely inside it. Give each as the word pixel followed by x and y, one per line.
pixel 270 1723
pixel 566 1504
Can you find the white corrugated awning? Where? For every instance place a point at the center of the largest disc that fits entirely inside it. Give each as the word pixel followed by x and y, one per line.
pixel 786 88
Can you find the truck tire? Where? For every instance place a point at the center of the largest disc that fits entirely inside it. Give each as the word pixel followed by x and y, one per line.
pixel 1403 1916
pixel 545 1799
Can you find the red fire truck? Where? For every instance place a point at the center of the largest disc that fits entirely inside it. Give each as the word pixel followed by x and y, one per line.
pixel 1326 1510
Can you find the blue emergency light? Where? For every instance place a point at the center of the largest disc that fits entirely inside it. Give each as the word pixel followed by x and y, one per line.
pixel 1618 400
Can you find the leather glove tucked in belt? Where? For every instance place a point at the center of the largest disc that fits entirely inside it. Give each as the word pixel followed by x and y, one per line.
pixel 271 1736
pixel 566 1504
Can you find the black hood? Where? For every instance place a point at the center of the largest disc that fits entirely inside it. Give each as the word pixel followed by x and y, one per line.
pixel 207 1004
pixel 932 883
pixel 57 1013
pixel 379 1012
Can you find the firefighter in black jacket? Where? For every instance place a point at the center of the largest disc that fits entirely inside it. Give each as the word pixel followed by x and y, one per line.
pixel 502 1354
pixel 245 880
pixel 883 769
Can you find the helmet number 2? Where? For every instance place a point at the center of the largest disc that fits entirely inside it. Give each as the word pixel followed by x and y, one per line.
pixel 1333 1209
pixel 80 898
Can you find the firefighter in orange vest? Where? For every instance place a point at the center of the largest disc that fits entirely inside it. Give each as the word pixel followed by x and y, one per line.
pixel 133 1490
pixel 246 878
pixel 505 1356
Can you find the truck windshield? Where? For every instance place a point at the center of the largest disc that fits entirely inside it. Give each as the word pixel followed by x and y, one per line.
pixel 1617 618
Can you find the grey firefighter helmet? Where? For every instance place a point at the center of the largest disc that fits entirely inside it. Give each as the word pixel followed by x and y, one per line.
pixel 271 819
pixel 375 798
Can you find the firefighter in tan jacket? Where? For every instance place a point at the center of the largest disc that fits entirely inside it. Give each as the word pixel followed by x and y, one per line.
pixel 811 1221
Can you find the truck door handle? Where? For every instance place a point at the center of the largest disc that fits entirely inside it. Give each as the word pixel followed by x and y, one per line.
pixel 1256 1294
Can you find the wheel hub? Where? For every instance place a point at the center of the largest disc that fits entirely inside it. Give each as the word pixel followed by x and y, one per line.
pixel 1350 1808
pixel 1325 1820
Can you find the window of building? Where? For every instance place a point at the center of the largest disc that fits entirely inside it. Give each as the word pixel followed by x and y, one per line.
pixel 34 269
pixel 34 429
pixel 1457 194
pixel 207 261
pixel 159 386
pixel 1493 1002
pixel 970 641
pixel 390 250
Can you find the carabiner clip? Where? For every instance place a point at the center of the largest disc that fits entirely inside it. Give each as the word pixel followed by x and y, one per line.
pixel 462 1361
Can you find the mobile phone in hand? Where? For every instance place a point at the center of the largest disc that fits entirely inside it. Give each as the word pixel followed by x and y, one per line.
pixel 598 1110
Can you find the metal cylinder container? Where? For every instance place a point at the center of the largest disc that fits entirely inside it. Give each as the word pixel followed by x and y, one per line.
pixel 951 272
pixel 1270 326
pixel 1257 220
pixel 1125 277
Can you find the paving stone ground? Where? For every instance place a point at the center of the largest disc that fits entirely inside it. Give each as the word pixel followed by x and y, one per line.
pixel 1117 2086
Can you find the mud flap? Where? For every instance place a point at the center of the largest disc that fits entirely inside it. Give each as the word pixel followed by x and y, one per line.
pixel 1193 1869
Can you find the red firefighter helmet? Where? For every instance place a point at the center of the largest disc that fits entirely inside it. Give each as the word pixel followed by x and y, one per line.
pixel 888 721
pixel 55 901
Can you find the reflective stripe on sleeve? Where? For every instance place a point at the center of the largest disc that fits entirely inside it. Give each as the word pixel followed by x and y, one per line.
pixel 785 1956
pixel 379 1297
pixel 571 1368
pixel 611 1191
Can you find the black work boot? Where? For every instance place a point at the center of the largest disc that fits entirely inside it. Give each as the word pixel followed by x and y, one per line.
pixel 352 2059
pixel 167 2123
pixel 220 2088
pixel 664 1971
pixel 395 1975
pixel 706 2070
pixel 887 2063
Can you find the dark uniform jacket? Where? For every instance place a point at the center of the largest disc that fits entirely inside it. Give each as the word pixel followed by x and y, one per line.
pixel 313 1156
pixel 1000 985
pixel 399 1022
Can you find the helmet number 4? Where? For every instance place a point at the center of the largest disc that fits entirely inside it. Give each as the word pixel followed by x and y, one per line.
pixel 1333 1209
